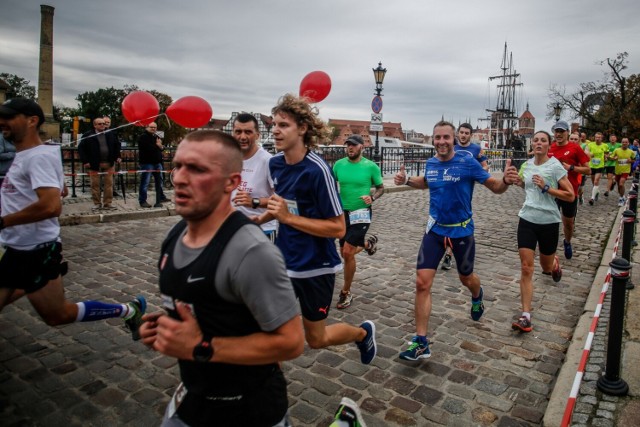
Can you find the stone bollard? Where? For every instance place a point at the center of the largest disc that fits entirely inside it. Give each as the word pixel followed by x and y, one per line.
pixel 611 383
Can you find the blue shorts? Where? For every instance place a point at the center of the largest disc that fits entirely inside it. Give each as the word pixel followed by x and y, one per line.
pixel 433 248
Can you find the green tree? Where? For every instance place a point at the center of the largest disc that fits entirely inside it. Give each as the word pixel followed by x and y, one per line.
pixel 609 105
pixel 19 86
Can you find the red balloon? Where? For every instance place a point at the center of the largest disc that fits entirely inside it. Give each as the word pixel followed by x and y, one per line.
pixel 190 112
pixel 315 86
pixel 140 108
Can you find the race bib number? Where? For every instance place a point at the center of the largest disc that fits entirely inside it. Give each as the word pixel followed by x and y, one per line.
pixel 361 216
pixel 3 250
pixel 292 206
pixel 430 223
pixel 623 161
pixel 177 399
pixel 595 162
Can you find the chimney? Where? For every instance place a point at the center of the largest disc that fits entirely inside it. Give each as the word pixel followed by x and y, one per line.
pixel 50 128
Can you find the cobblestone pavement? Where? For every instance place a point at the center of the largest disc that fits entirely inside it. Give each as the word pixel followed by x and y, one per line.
pixel 480 373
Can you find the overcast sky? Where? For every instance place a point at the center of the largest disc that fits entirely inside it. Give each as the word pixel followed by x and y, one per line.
pixel 243 55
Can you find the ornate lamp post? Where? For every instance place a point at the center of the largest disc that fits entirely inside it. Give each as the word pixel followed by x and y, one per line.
pixel 557 110
pixel 378 75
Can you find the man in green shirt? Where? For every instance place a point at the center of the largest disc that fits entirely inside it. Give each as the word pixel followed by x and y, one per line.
pixel 623 157
pixel 610 164
pixel 356 175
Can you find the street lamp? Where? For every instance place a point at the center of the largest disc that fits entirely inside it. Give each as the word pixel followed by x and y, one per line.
pixel 557 109
pixel 378 75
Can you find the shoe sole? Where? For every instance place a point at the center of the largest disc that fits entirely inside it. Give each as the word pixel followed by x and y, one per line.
pixel 517 327
pixel 373 245
pixel 415 359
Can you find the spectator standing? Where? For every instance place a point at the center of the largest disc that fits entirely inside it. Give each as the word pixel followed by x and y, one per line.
pixel 150 157
pixel 99 151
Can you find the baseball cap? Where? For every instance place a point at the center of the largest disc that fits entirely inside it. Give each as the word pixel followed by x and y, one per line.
pixel 354 139
pixel 25 106
pixel 561 124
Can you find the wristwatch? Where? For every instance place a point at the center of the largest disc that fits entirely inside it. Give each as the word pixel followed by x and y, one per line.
pixel 203 352
pixel 572 167
pixel 255 202
pixel 545 188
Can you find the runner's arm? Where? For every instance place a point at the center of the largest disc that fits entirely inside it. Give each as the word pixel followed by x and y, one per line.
pixel 47 206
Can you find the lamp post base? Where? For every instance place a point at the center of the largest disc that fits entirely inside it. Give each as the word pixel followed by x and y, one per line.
pixel 613 388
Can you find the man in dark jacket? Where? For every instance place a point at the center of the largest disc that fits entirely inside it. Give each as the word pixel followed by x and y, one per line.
pixel 99 151
pixel 150 156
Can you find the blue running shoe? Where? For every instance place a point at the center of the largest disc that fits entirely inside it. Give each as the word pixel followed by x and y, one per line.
pixel 416 351
pixel 133 321
pixel 367 346
pixel 477 306
pixel 568 250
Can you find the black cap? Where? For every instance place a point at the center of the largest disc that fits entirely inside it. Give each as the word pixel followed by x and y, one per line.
pixel 28 107
pixel 354 139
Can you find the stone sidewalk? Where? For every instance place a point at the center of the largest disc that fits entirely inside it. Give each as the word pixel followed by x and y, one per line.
pixel 481 373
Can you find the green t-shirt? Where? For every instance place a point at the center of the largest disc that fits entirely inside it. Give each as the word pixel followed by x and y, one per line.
pixel 612 147
pixel 624 160
pixel 355 180
pixel 597 154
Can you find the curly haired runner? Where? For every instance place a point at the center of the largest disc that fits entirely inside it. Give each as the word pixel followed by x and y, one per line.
pixel 307 206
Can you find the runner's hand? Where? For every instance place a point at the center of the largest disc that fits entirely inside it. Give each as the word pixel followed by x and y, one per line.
pixel 401 177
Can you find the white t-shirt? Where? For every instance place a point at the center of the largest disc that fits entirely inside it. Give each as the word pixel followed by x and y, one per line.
pixel 37 167
pixel 257 181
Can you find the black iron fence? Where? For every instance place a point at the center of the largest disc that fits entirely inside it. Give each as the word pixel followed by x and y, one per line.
pixel 413 159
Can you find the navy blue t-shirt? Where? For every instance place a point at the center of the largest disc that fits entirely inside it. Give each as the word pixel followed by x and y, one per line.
pixel 451 191
pixel 310 191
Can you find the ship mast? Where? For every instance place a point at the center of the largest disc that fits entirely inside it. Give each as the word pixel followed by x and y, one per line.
pixel 504 118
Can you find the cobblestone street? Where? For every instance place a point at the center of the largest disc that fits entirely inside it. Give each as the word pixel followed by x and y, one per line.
pixel 480 373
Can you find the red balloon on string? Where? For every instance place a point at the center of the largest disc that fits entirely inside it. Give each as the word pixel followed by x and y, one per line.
pixel 140 108
pixel 190 112
pixel 315 86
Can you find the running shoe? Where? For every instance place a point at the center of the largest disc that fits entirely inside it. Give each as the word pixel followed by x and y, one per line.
pixel 348 415
pixel 606 194
pixel 568 249
pixel 367 346
pixel 556 273
pixel 137 308
pixel 416 351
pixel 477 306
pixel 591 201
pixel 621 201
pixel 522 324
pixel 344 300
pixel 373 244
pixel 446 263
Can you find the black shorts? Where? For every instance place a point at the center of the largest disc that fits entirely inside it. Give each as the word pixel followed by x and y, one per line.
pixel 610 170
pixel 355 233
pixel 568 209
pixel 545 235
pixel 597 171
pixel 31 270
pixel 315 295
pixel 434 245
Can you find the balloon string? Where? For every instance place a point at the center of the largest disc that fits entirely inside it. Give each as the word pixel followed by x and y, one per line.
pixel 124 126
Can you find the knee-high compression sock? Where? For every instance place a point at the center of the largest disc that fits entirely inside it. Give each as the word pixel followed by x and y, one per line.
pixel 594 191
pixel 88 311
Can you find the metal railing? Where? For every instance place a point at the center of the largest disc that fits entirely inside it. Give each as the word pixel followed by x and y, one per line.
pixel 413 159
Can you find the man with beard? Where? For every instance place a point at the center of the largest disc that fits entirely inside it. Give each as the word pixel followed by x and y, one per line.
pixel 355 175
pixel 450 177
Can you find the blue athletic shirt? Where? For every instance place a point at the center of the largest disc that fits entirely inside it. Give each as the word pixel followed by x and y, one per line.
pixel 311 191
pixel 451 190
pixel 473 149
